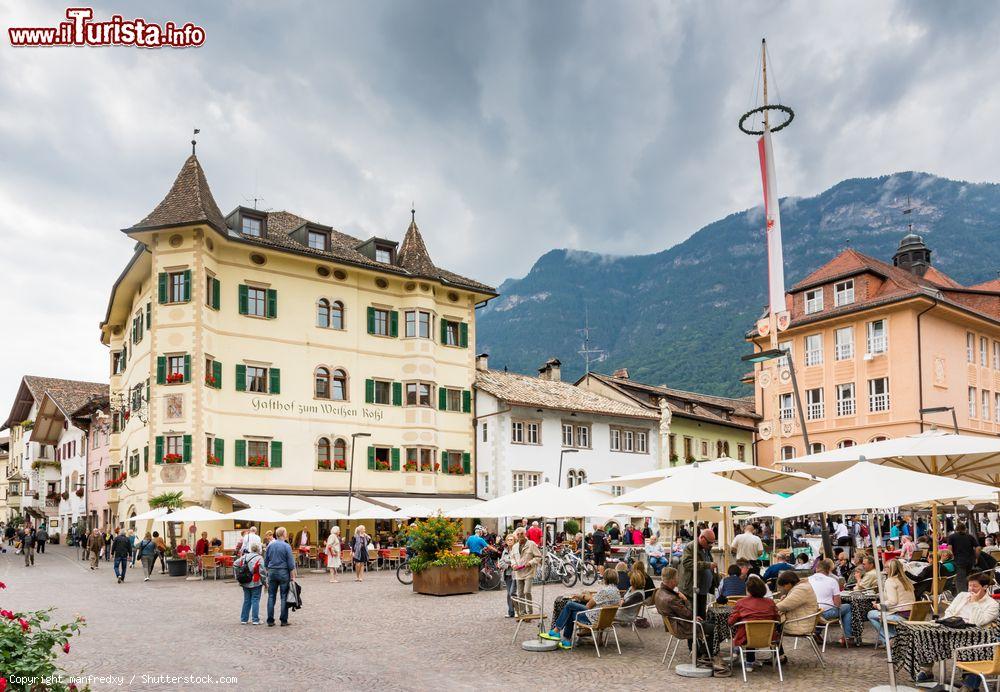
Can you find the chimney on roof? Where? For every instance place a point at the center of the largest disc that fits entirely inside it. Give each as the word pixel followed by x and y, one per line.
pixel 483 361
pixel 551 370
pixel 913 255
pixel 620 373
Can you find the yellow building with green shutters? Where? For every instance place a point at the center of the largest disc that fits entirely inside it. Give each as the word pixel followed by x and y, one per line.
pixel 254 355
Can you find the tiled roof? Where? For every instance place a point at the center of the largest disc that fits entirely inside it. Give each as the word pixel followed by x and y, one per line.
pixel 704 406
pixel 991 285
pixel 68 395
pixel 189 201
pixel 525 390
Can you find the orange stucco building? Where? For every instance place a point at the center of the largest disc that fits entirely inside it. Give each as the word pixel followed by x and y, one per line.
pixel 872 344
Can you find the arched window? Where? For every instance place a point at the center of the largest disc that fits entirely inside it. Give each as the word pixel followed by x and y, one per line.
pixel 581 477
pixel 816 447
pixel 336 315
pixel 338 391
pixel 879 438
pixel 787 452
pixel 571 478
pixel 843 444
pixel 323 454
pixel 322 388
pixel 340 454
pixel 323 313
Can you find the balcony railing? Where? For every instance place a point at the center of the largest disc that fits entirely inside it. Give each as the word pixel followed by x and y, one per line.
pixel 845 351
pixel 814 357
pixel 846 407
pixel 878 402
pixel 787 413
pixel 876 345
pixel 814 411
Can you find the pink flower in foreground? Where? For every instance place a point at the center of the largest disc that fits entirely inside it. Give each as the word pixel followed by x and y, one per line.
pixel 66 647
pixel 3 684
pixel 2 586
pixel 24 624
pixel 8 615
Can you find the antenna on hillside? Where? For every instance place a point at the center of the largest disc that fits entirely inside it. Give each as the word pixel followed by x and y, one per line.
pixel 586 351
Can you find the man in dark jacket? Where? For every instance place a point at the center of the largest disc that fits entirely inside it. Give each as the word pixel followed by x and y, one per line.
pixel 280 565
pixel 94 545
pixel 705 569
pixel 41 536
pixel 27 538
pixel 965 549
pixel 121 548
pixel 672 604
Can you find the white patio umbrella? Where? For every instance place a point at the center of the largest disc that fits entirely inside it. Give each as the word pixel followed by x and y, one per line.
pixel 264 515
pixel 418 512
pixel 194 514
pixel 693 486
pixel 153 514
pixel 375 512
pixel 317 513
pixel 867 487
pixel 763 477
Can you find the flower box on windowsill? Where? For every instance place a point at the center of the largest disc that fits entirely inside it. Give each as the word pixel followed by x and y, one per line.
pixel 209 381
pixel 65 494
pixel 257 462
pixel 116 481
pixel 79 492
pixel 172 459
pixel 382 466
pixel 340 465
pixel 175 378
pixel 52 496
pixel 213 460
pixel 410 467
pixel 456 470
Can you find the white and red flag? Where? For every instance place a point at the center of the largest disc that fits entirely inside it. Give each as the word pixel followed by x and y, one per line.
pixel 775 263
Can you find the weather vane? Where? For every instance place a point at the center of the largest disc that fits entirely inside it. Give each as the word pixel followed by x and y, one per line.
pixel 194 142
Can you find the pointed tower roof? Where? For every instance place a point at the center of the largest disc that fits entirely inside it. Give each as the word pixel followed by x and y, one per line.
pixel 189 201
pixel 413 255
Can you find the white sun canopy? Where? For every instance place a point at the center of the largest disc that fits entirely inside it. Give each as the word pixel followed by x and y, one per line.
pixel 194 513
pixel 694 483
pixel 543 500
pixel 762 477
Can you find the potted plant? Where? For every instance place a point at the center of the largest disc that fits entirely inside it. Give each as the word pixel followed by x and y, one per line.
pixel 79 492
pixel 340 464
pixel 259 462
pixel 437 570
pixel 455 469
pixel 410 466
pixel 52 496
pixel 65 494
pixel 172 458
pixel 212 460
pixel 175 378
pixel 381 465
pixel 323 464
pixel 210 380
pixel 117 481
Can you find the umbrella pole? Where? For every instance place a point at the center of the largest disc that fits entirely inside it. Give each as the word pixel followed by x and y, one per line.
pixel 692 670
pixel 726 539
pixel 885 623
pixel 935 558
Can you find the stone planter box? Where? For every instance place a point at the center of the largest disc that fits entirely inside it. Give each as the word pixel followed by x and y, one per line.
pixel 446 581
pixel 176 567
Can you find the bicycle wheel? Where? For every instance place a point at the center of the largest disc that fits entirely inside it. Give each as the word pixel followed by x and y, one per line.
pixel 489 579
pixel 569 576
pixel 589 574
pixel 403 573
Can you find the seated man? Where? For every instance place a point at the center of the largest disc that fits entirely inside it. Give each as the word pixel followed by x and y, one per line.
pixel 732 585
pixel 672 604
pixel 657 556
pixel 183 548
pixel 776 568
pixel 827 589
pixel 573 611
pixel 865 577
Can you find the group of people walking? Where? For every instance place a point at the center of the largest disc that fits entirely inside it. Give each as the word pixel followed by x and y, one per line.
pixel 27 539
pixel 125 548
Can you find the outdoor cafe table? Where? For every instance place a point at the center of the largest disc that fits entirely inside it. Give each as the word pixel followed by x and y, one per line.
pixel 718 617
pixel 861 602
pixel 923 643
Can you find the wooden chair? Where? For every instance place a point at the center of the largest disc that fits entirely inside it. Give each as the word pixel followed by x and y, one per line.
pixel 918 555
pixel 347 560
pixel 760 638
pixel 919 611
pixel 808 637
pixel 990 668
pixel 605 622
pixel 393 557
pixel 192 563
pixel 312 558
pixel 208 562
pixel 526 611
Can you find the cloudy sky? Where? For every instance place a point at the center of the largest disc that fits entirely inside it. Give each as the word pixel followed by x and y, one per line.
pixel 515 127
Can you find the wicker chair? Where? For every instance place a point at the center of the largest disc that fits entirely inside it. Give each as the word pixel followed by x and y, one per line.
pixel 208 562
pixel 605 622
pixel 990 668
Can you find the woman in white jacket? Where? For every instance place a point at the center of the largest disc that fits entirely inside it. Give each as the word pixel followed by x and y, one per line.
pixel 333 553
pixel 897 598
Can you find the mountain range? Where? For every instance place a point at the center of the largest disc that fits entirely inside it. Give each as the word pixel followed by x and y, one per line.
pixel 677 317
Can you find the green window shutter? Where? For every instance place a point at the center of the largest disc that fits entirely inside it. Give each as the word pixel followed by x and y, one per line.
pixel 241 452
pixel 187 367
pixel 371 458
pixel 274 387
pixel 393 323
pixel 161 369
pixel 187 285
pixel 272 303
pixel 463 334
pixel 216 293
pixel 241 377
pixel 158 458
pixel 444 462
pixel 395 458
pixel 161 283
pixel 369 391
pixel 444 331
pixel 275 462
pixel 220 449
pixel 217 373
pixel 149 315
pixel 243 299
pixel 442 399
pixel 187 449
pixel 397 393
pixel 466 463
pixel 145 458
pixel 466 401
pixel 371 320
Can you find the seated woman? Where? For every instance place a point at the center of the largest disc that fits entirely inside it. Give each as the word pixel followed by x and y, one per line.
pixel 753 607
pixel 622 569
pixel 183 548
pixel 802 561
pixel 639 567
pixel 907 547
pixel 573 612
pixel 897 599
pixel 732 585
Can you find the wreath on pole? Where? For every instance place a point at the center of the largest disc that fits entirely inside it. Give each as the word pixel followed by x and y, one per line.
pixel 778 108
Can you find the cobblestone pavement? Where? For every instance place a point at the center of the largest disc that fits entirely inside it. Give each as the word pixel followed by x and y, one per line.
pixel 373 635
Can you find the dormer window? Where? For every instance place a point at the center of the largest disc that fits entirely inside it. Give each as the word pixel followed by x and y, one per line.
pixel 383 253
pixel 318 240
pixel 843 293
pixel 814 300
pixel 252 226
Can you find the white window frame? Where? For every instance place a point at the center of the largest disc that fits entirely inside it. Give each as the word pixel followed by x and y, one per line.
pixel 877 343
pixel 996 355
pixel 517 432
pixel 815 407
pixel 843 293
pixel 583 436
pixel 814 300
pixel 640 442
pixel 878 402
pixel 972 402
pixel 533 433
pixel 814 355
pixel 985 406
pixel 847 402
pixel 567 434
pixel 996 407
pixel 984 352
pixel 786 405
pixel 787 452
pixel 843 348
pixel 616 440
pixel 785 346
pixel 970 347
pixel 816 447
pixel 416 323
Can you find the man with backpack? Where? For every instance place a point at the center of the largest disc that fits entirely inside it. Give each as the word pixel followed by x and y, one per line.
pixel 250 574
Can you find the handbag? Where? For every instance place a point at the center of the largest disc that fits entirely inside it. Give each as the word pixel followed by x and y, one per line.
pixel 955 622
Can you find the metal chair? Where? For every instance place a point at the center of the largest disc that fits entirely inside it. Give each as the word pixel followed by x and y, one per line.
pixel 674 638
pixel 605 622
pixel 208 562
pixel 990 668
pixel 627 616
pixel 760 638
pixel 808 637
pixel 824 624
pixel 527 611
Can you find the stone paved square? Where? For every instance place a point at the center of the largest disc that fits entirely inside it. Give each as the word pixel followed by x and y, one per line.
pixel 373 635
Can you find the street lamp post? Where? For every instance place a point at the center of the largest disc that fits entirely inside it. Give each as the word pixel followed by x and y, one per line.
pixel 941 409
pixel 565 451
pixel 350 478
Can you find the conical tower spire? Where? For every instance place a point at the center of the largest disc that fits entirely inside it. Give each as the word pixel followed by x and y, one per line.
pixel 413 255
pixel 189 200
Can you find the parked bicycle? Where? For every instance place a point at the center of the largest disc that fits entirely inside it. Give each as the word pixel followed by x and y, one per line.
pixel 403 573
pixel 586 570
